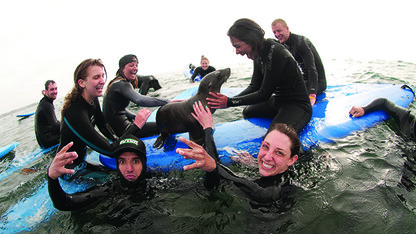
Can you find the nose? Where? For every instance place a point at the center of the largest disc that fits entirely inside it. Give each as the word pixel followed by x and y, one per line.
pixel 268 156
pixel 129 167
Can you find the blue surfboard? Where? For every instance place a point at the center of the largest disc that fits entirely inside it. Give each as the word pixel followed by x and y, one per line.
pixel 18 164
pixel 330 120
pixel 188 72
pixel 37 206
pixel 6 149
pixel 25 115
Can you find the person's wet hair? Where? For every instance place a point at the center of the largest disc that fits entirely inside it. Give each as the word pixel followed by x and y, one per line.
pixel 289 132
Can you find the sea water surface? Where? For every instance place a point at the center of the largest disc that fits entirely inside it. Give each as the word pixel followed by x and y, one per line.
pixel 363 183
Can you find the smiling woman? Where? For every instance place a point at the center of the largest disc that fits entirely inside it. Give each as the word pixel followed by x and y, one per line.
pixel 278 151
pixel 120 92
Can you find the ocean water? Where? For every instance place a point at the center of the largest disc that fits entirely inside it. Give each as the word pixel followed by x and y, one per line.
pixel 363 183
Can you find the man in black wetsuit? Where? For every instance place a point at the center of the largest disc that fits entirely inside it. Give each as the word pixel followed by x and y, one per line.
pixel 47 127
pixel 305 55
pixel 131 167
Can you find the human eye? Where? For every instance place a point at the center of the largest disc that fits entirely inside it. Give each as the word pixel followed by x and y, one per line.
pixel 136 161
pixel 264 146
pixel 121 161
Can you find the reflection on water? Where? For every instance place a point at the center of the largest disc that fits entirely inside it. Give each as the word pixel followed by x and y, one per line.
pixel 363 183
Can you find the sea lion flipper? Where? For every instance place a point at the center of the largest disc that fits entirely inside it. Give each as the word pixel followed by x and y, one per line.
pixel 160 141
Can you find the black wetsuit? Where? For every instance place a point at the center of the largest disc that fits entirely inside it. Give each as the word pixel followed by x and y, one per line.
pixel 310 62
pixel 70 202
pixel 201 72
pixel 404 119
pixel 263 190
pixel 119 95
pixel 78 126
pixel 147 82
pixel 47 127
pixel 276 90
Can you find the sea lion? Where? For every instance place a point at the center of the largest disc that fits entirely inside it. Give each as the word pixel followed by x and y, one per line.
pixel 176 117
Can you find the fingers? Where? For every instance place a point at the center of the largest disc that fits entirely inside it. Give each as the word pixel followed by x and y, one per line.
pixel 66 148
pixel 190 143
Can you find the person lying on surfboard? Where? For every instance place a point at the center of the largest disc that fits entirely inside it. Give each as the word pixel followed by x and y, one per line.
pixel 278 151
pixel 131 167
pixel 202 70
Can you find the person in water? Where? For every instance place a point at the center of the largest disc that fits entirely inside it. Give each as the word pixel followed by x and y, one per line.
pixel 47 126
pixel 404 119
pixel 202 70
pixel 81 113
pixel 130 156
pixel 278 151
pixel 305 55
pixel 147 82
pixel 120 92
pixel 277 89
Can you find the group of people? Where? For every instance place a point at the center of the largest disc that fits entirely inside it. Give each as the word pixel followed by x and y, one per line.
pixel 278 90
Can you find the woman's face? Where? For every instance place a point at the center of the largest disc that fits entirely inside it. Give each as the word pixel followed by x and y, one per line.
pixel 93 84
pixel 130 70
pixel 242 48
pixel 204 64
pixel 274 155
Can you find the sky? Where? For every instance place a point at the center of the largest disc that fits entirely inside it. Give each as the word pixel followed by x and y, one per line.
pixel 47 39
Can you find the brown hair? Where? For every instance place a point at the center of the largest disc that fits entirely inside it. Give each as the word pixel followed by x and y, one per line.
pixel 248 31
pixel 289 132
pixel 81 72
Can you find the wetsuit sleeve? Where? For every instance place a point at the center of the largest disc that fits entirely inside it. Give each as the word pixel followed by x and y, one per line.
pixel 69 202
pixel 261 86
pixel 130 114
pixel 127 91
pixel 212 179
pixel 306 53
pixel 103 126
pixel 196 72
pixel 404 119
pixel 78 121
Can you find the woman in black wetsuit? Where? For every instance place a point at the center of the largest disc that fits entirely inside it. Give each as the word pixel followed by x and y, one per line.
pixel 130 156
pixel 120 92
pixel 278 151
pixel 277 89
pixel 82 112
pixel 202 70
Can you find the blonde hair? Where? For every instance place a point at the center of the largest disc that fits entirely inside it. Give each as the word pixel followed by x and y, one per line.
pixel 204 58
pixel 279 21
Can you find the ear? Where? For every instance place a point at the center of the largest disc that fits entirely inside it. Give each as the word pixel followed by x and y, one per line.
pixel 292 160
pixel 81 83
